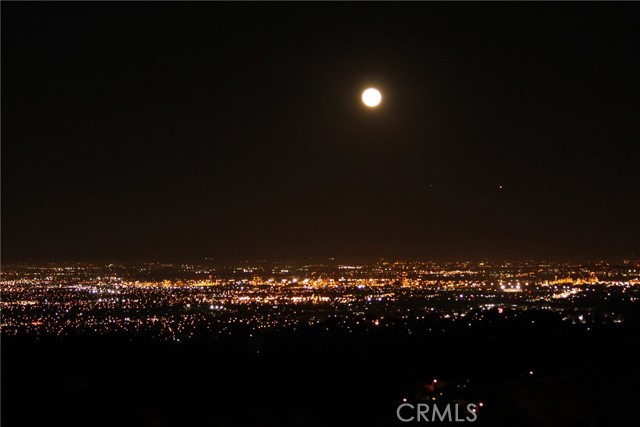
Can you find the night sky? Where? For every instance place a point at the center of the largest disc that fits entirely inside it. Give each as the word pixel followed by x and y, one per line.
pixel 163 130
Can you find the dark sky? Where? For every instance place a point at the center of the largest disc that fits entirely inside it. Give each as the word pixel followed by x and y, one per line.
pixel 149 130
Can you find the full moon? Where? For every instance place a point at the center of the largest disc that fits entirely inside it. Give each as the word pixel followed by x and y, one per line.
pixel 371 97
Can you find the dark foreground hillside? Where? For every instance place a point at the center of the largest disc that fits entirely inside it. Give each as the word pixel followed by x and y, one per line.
pixel 547 376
